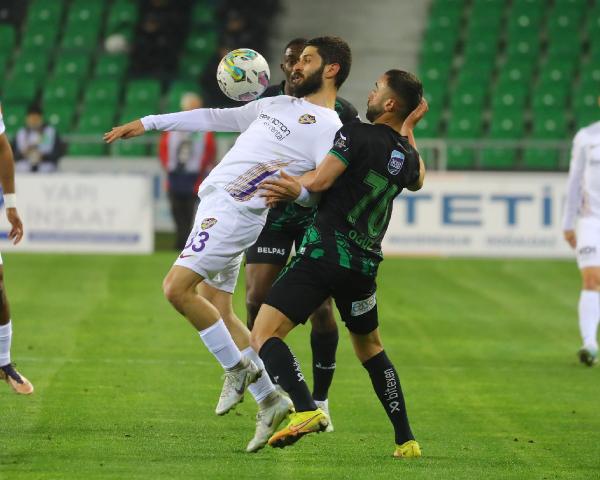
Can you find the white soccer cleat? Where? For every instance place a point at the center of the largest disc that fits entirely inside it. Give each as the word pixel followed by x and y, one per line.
pixel 272 411
pixel 324 405
pixel 236 381
pixel 588 355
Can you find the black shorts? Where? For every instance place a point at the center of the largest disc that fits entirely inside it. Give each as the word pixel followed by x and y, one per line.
pixel 305 284
pixel 274 246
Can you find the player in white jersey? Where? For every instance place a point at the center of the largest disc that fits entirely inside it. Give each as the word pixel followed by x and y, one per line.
pixel 277 132
pixel 7 178
pixel 583 207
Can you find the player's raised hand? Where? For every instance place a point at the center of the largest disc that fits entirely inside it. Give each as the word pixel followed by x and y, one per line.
pixel 570 237
pixel 16 232
pixel 283 189
pixel 128 130
pixel 416 115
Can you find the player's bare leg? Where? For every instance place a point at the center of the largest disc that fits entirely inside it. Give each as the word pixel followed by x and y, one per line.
pixel 270 328
pixel 7 371
pixel 179 287
pixel 589 315
pixel 323 341
pixel 272 407
pixel 386 383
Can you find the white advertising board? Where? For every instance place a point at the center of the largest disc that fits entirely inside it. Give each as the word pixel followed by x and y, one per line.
pixel 83 213
pixel 481 214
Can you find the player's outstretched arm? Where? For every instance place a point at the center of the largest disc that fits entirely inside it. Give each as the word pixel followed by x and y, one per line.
pixel 7 179
pixel 128 130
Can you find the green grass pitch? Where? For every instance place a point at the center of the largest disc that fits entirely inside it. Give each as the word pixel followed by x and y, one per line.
pixel 126 390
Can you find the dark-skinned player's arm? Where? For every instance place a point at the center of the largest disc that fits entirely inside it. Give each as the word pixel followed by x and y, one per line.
pixel 7 180
pixel 304 189
pixel 408 131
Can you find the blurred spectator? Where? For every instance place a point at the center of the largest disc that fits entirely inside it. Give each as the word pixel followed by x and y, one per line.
pixel 161 31
pixel 187 157
pixel 37 145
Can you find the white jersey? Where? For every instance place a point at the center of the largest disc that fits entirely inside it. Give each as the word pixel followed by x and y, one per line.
pixel 583 187
pixel 280 132
pixel 2 127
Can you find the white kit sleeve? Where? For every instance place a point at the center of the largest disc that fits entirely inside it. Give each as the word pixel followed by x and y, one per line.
pixel 575 181
pixel 206 119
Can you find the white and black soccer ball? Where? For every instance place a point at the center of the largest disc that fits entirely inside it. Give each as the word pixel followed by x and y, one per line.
pixel 243 74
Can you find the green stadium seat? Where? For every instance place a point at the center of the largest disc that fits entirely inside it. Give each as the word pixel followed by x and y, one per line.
pixel 86 12
pixel 131 148
pixel 444 16
pixel 72 65
pixel 468 95
pixel 7 37
pixel 560 72
pixel 61 90
pixel 507 124
pixel 19 89
pixel 524 48
pixel 516 72
pixel 524 22
pixel 86 149
pixel 475 72
pixel 564 23
pixel 44 12
pixel 435 94
pixel 41 37
pixel 102 91
pixel 461 158
pixel 464 124
pixel 550 95
pixel 590 72
pixel 4 61
pixel 60 115
pixel 585 97
pixel 564 47
pixel 481 46
pixel 145 92
pixel 498 158
pixel 586 117
pixel 122 16
pixel 97 119
pixel 192 66
pixel 113 66
pixel 203 44
pixel 540 159
pixel 203 15
pixel 80 37
pixel 13 116
pixel 509 96
pixel 429 126
pixel 176 91
pixel 31 64
pixel 439 44
pixel 133 112
pixel 549 124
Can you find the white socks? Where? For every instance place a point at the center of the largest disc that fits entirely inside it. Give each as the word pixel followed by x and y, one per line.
pixel 263 386
pixel 589 315
pixel 219 342
pixel 5 338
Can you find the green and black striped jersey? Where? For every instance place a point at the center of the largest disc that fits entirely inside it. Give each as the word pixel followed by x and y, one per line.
pixel 353 215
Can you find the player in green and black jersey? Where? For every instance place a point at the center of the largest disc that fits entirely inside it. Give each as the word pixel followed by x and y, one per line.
pixel 368 166
pixel 285 226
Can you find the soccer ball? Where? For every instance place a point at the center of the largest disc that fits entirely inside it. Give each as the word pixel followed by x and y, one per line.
pixel 243 74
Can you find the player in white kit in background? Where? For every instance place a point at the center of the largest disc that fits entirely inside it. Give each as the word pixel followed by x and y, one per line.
pixel 7 178
pixel 581 226
pixel 277 132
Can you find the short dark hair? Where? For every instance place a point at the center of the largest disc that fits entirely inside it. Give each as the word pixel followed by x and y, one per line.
pixel 34 108
pixel 296 41
pixel 407 87
pixel 334 50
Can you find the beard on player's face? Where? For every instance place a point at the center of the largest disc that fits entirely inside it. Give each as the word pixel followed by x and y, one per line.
pixel 374 111
pixel 303 85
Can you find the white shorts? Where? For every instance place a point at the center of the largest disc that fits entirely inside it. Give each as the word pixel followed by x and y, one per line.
pixel 588 242
pixel 222 232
